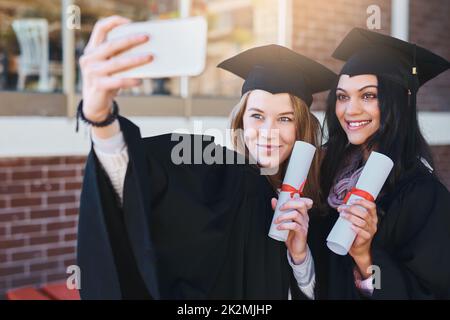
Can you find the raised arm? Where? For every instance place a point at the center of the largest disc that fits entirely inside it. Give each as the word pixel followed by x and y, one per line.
pixel 98 64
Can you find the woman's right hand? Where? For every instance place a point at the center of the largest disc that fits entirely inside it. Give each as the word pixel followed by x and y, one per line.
pixel 297 222
pixel 99 62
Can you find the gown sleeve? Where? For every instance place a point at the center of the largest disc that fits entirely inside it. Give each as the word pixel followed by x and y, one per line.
pixel 411 248
pixel 319 226
pixel 114 249
pixel 304 274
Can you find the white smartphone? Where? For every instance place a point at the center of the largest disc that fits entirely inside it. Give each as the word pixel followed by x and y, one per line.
pixel 178 47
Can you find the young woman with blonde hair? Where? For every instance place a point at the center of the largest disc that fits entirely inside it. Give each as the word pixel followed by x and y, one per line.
pixel 152 227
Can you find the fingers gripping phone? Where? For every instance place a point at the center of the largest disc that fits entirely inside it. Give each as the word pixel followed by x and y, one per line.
pixel 178 47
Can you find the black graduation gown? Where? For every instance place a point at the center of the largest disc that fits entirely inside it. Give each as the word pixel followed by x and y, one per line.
pixel 189 231
pixel 411 245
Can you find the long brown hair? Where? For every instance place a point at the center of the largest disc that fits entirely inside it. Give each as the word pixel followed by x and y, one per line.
pixel 308 129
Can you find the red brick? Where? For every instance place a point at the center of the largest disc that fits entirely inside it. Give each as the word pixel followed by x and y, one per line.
pixel 44 239
pixel 60 225
pixel 3 176
pixel 12 162
pixel 61 199
pixel 3 258
pixel 26 201
pixel 44 213
pixel 2 231
pixel 60 251
pixel 61 173
pixel 75 160
pixel 60 276
pixel 45 161
pixel 2 203
pixel 43 266
pixel 72 185
pixel 27 255
pixel 28 228
pixel 12 216
pixel 428 26
pixel 26 281
pixel 70 237
pixel 12 189
pixel 6 244
pixel 441 155
pixel 7 271
pixel 70 262
pixel 26 175
pixel 71 211
pixel 44 187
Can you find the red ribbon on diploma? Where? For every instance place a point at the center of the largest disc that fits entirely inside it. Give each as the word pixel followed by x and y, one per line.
pixel 359 192
pixel 292 190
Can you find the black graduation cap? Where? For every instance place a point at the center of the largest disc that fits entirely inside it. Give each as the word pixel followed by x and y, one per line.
pixel 277 69
pixel 368 52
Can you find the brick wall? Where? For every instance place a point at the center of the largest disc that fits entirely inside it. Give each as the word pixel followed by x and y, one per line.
pixel 429 27
pixel 39 211
pixel 38 218
pixel 320 25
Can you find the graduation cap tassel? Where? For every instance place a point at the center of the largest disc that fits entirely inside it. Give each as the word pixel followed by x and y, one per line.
pixel 412 92
pixel 415 81
pixel 412 99
pixel 78 115
pixel 78 122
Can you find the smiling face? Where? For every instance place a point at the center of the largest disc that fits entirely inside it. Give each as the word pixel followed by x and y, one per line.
pixel 269 127
pixel 357 107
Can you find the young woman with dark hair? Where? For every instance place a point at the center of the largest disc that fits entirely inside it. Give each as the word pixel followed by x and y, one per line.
pixel 404 235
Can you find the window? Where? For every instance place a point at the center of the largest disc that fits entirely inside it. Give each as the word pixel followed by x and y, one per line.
pixel 233 26
pixel 30 45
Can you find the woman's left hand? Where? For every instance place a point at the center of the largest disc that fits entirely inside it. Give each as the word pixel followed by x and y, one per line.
pixel 363 216
pixel 297 221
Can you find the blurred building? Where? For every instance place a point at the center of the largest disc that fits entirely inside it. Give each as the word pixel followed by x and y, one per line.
pixel 42 159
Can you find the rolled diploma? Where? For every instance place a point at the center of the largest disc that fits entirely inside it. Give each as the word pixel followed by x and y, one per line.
pixel 296 173
pixel 371 180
